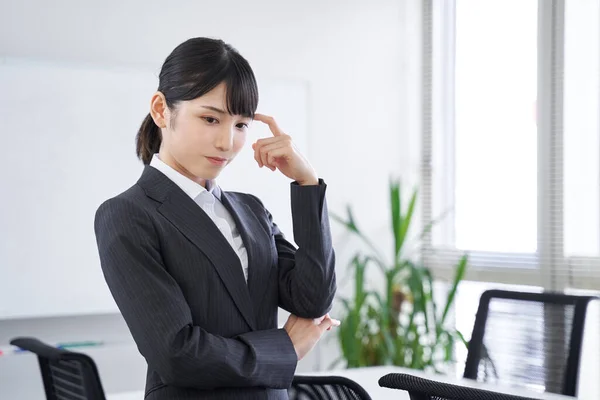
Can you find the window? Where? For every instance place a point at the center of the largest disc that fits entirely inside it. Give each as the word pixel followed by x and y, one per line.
pixel 581 129
pixel 511 140
pixel 495 131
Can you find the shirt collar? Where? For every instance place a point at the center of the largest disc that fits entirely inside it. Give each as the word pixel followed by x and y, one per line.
pixel 191 188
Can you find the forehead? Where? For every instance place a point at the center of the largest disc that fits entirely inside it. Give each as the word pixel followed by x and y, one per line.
pixel 216 99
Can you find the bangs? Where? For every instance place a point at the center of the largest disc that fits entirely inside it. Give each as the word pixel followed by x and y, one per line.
pixel 242 90
pixel 203 72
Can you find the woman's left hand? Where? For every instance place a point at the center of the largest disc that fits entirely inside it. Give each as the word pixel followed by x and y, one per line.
pixel 280 152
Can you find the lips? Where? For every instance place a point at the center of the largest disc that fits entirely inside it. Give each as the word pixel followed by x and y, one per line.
pixel 217 160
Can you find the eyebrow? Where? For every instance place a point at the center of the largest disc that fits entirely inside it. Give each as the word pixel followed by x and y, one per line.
pixel 215 109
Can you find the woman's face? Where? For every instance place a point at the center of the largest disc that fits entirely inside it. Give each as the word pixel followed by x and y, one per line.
pixel 200 138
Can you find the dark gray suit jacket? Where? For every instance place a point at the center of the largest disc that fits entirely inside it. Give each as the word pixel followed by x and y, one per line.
pixel 203 331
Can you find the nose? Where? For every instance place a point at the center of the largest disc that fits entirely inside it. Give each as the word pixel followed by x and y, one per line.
pixel 224 139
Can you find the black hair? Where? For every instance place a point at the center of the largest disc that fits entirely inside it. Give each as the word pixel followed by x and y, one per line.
pixel 194 68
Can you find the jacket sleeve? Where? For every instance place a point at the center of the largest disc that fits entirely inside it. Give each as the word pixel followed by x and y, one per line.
pixel 307 280
pixel 160 320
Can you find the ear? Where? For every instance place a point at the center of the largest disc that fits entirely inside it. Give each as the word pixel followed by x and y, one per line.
pixel 159 110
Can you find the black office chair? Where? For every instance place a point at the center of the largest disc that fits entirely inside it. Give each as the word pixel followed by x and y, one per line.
pixel 425 389
pixel 66 374
pixel 529 340
pixel 326 388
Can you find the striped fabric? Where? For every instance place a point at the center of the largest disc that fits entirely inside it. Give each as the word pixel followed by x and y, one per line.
pixel 203 330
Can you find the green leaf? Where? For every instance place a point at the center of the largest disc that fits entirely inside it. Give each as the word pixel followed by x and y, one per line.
pixel 415 283
pixel 462 338
pixel 390 349
pixel 461 267
pixel 351 225
pixel 427 274
pixel 395 205
pixel 432 223
pixel 392 274
pixel 417 349
pixel 380 301
pixel 449 348
pixel 359 279
pixel 349 338
pixel 384 312
pixel 400 352
pixel 349 222
pixel 405 224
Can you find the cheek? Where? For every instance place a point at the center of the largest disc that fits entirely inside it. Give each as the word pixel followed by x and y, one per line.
pixel 238 141
pixel 191 135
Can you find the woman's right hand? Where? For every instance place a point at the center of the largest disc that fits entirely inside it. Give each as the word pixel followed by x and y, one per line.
pixel 305 333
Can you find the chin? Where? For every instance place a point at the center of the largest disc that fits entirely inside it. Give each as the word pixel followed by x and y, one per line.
pixel 211 177
pixel 201 172
pixel 209 173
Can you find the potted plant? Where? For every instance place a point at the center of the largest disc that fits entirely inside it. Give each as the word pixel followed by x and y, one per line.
pixel 400 324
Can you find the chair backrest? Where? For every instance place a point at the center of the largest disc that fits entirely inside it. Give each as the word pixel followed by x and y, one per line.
pixel 530 340
pixel 326 388
pixel 426 389
pixel 66 375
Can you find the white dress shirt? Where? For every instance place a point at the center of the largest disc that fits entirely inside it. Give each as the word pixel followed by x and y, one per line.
pixel 210 201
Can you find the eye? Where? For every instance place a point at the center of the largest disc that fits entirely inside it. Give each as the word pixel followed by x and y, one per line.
pixel 211 120
pixel 242 125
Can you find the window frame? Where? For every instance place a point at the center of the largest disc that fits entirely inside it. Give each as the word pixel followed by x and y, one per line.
pixel 548 268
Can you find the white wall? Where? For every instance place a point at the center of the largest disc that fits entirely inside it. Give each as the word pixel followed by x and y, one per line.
pixel 359 58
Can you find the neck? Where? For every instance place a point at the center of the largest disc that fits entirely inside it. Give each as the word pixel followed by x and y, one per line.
pixel 171 162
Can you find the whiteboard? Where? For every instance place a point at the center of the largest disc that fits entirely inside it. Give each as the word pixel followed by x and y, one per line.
pixel 68 141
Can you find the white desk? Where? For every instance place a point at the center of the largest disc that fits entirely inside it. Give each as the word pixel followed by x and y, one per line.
pixel 369 377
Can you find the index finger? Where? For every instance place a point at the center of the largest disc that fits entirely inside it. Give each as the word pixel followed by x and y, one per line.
pixel 270 121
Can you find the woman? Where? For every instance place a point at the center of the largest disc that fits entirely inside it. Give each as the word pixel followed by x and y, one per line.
pixel 199 273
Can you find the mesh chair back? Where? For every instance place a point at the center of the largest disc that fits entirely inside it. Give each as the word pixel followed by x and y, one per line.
pixel 426 389
pixel 66 375
pixel 529 340
pixel 326 388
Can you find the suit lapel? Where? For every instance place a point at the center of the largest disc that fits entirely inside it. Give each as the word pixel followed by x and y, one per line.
pixel 256 243
pixel 194 224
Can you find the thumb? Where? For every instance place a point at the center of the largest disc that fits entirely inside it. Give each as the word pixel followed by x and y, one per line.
pixel 290 321
pixel 326 324
pixel 333 322
pixel 318 321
